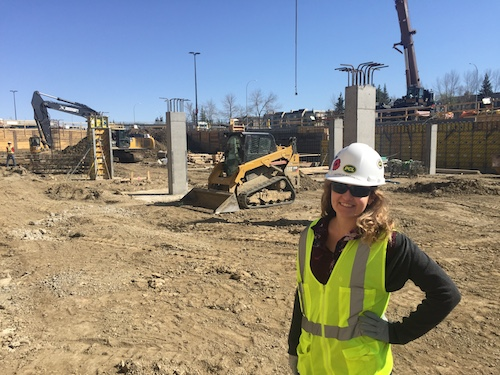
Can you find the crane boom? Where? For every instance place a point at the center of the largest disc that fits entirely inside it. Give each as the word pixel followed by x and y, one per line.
pixel 412 77
pixel 416 95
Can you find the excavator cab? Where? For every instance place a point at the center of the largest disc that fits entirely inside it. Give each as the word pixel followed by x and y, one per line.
pixel 120 138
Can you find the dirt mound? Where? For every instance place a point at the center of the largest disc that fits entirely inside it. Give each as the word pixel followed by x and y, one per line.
pixel 452 186
pixel 17 170
pixel 79 149
pixel 69 191
pixel 307 183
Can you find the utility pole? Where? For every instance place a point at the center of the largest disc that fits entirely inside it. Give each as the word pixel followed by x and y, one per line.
pixel 134 111
pixel 246 100
pixel 195 91
pixel 15 110
pixel 476 81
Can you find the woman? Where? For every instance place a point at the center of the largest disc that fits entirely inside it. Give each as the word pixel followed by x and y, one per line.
pixel 349 261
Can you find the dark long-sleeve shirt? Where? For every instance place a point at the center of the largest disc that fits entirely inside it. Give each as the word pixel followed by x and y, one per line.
pixel 404 261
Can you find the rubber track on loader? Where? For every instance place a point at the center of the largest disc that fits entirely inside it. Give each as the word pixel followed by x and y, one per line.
pixel 243 197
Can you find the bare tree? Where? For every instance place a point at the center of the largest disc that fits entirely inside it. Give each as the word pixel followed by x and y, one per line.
pixel 333 101
pixel 261 104
pixel 448 87
pixel 495 80
pixel 189 109
pixel 209 110
pixel 471 83
pixel 229 107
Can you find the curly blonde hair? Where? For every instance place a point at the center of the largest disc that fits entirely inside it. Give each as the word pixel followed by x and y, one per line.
pixel 373 224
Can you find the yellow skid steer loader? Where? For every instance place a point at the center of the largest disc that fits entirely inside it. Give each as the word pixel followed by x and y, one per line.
pixel 255 173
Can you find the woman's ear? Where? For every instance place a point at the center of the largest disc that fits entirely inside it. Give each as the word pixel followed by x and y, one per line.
pixel 371 199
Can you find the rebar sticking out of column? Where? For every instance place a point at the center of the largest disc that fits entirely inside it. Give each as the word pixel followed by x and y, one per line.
pixel 361 75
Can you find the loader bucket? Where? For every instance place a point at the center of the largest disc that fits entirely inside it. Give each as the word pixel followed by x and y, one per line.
pixel 219 201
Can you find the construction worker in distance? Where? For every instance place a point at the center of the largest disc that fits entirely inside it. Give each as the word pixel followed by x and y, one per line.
pixel 348 263
pixel 10 154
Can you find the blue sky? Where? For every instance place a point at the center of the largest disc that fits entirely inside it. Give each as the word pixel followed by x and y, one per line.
pixel 121 56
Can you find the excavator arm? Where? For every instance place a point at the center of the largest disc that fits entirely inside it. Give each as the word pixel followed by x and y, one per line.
pixel 42 118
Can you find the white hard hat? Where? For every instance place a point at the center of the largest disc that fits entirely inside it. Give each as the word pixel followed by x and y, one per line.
pixel 357 164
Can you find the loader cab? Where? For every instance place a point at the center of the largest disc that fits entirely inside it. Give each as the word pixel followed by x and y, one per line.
pixel 257 145
pixel 244 147
pixel 35 144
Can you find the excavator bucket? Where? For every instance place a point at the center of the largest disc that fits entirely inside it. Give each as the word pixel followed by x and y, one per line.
pixel 219 201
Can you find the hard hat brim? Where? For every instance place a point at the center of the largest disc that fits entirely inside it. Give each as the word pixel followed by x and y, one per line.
pixel 350 180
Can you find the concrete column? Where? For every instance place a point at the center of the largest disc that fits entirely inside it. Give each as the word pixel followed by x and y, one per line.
pixel 177 152
pixel 359 119
pixel 430 148
pixel 335 143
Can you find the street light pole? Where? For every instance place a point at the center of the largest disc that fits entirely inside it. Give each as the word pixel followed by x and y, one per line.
pixel 246 100
pixel 476 81
pixel 14 95
pixel 134 111
pixel 195 91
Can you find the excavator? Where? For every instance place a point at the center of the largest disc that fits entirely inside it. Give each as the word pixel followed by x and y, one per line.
pixel 129 147
pixel 416 95
pixel 42 118
pixel 126 148
pixel 254 173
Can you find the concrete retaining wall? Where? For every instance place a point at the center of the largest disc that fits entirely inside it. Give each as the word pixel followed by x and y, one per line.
pixel 460 145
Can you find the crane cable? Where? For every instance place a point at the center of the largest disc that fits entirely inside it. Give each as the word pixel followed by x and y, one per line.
pixel 296 42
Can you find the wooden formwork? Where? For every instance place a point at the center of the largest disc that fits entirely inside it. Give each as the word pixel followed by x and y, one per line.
pixel 460 144
pixel 496 163
pixel 20 137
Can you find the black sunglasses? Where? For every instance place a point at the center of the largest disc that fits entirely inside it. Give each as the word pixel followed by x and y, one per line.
pixel 356 191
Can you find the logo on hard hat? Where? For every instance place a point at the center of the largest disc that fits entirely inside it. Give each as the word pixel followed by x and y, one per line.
pixel 336 164
pixel 380 164
pixel 349 169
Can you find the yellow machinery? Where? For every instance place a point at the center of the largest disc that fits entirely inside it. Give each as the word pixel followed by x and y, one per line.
pixel 129 147
pixel 255 173
pixel 35 145
pixel 36 148
pixel 100 154
pixel 236 126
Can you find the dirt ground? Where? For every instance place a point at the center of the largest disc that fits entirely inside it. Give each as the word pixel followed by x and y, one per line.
pixel 96 281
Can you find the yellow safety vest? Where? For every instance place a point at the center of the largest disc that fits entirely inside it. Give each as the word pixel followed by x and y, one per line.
pixel 330 341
